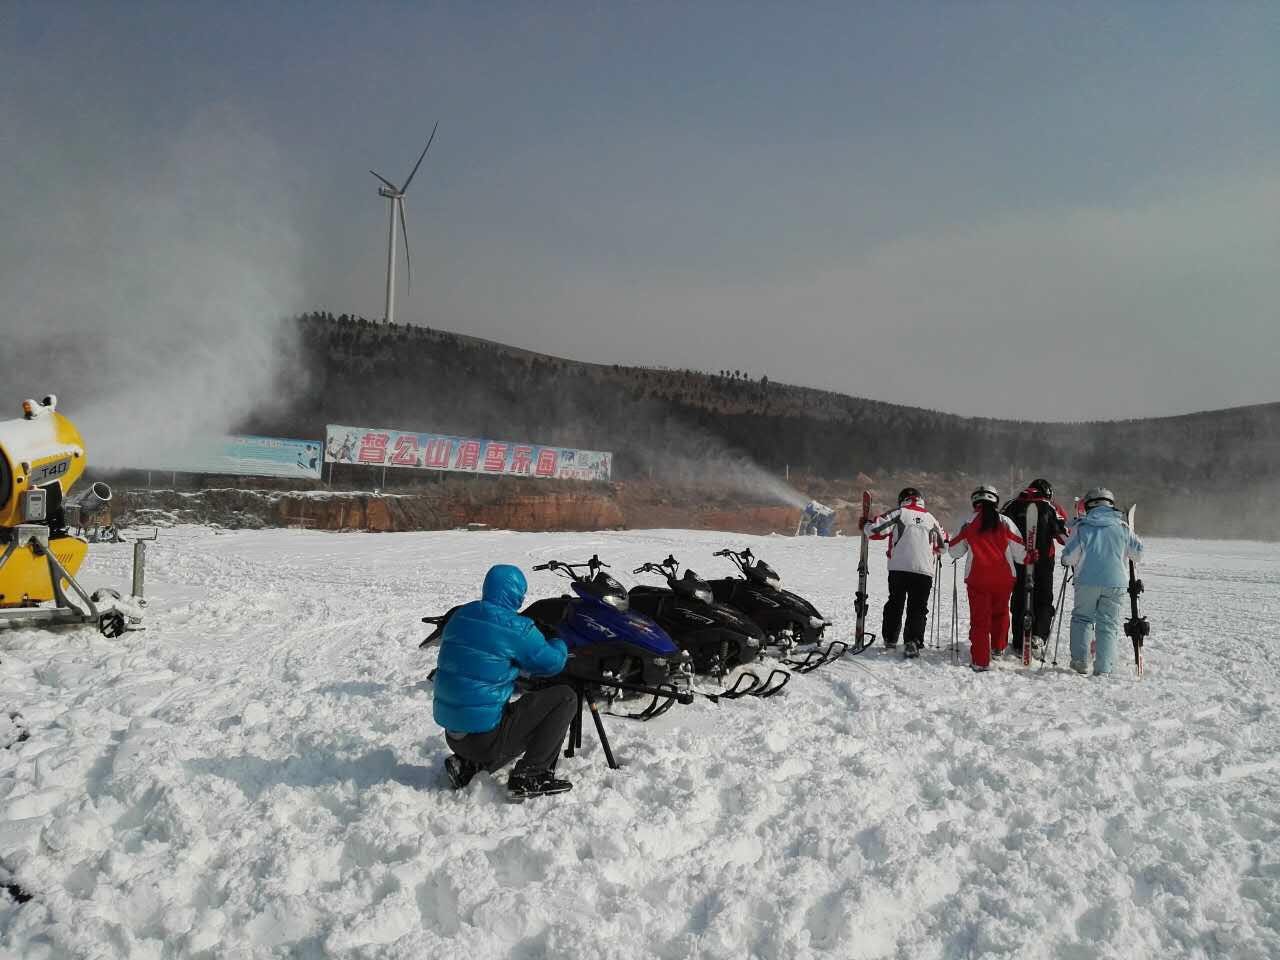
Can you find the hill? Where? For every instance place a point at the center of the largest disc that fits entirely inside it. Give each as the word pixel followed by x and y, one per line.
pixel 1208 473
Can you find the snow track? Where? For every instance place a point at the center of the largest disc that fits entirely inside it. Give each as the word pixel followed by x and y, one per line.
pixel 257 774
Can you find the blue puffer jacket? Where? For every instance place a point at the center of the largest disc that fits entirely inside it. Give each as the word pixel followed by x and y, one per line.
pixel 484 647
pixel 1100 548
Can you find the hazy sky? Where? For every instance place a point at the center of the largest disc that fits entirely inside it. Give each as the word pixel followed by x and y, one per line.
pixel 1058 211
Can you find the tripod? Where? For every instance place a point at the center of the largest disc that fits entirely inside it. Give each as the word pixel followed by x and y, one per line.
pixel 585 698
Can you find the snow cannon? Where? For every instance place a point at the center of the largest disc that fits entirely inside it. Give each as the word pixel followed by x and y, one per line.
pixel 817 520
pixel 41 457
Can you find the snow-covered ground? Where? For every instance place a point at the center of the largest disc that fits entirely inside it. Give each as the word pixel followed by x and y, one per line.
pixel 257 774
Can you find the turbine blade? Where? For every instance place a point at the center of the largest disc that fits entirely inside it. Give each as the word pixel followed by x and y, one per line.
pixel 419 163
pixel 384 180
pixel 408 267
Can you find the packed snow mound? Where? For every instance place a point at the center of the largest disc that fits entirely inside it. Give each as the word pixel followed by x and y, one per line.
pixel 257 774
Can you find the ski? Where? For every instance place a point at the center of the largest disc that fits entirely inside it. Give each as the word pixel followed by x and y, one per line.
pixel 773 683
pixel 862 639
pixel 1029 594
pixel 744 683
pixel 1136 627
pixel 816 657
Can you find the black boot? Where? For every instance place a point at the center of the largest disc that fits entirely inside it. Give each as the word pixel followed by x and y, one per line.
pixel 535 783
pixel 909 650
pixel 460 770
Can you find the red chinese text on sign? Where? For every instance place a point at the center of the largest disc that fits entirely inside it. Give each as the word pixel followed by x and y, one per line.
pixel 373 448
pixel 468 455
pixel 405 452
pixel 547 459
pixel 436 454
pixel 495 457
pixel 521 459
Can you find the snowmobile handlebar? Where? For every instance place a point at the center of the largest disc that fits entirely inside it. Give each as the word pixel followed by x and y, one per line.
pixel 669 567
pixel 571 569
pixel 740 559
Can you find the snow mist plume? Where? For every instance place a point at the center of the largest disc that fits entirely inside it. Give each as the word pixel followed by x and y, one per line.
pixel 696 458
pixel 152 299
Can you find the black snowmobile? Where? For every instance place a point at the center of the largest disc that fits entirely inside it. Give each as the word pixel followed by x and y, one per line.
pixel 717 637
pixel 787 620
pixel 612 650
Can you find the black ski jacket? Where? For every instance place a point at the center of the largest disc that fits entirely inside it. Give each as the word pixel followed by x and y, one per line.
pixel 1051 524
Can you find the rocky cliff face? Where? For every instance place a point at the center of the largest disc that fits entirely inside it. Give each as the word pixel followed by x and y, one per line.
pixel 373 512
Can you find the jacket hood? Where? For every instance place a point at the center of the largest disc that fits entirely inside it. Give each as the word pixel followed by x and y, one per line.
pixel 505 586
pixel 1103 516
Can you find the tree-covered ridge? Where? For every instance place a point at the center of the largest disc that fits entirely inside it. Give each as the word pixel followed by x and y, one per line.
pixel 417 378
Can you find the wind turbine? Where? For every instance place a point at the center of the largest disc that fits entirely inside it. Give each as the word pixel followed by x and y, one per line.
pixel 396 196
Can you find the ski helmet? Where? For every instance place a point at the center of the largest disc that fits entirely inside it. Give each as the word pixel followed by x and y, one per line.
pixel 907 493
pixel 1098 495
pixel 987 493
pixel 1042 487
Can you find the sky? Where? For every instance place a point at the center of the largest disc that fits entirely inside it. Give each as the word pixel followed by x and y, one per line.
pixel 1048 211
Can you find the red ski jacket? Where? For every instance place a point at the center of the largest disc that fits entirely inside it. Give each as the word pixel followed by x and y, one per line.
pixel 990 554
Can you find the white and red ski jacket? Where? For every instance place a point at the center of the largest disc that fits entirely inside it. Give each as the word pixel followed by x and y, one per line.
pixel 915 536
pixel 990 554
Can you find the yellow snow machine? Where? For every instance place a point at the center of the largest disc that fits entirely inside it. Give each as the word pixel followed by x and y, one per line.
pixel 41 457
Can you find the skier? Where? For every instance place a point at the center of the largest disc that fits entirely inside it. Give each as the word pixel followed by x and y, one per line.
pixel 1100 547
pixel 484 646
pixel 993 545
pixel 1051 530
pixel 915 539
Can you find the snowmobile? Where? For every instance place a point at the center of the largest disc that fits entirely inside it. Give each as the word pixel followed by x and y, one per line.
pixel 612 650
pixel 787 620
pixel 717 637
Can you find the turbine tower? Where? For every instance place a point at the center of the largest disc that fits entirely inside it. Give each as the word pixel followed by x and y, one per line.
pixel 396 196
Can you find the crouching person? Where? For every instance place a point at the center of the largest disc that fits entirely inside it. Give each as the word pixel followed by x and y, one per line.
pixel 484 646
pixel 1100 548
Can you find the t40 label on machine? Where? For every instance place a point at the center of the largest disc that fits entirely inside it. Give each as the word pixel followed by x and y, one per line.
pixel 50 471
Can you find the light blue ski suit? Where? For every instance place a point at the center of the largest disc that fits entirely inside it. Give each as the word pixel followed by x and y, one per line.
pixel 1100 548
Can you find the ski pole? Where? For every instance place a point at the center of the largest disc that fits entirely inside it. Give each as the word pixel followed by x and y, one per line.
pixel 1062 598
pixel 935 633
pixel 955 619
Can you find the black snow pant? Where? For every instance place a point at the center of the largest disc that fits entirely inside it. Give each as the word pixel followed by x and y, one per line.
pixel 534 725
pixel 911 590
pixel 1043 609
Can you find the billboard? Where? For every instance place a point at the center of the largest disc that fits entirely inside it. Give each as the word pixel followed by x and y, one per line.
pixel 374 447
pixel 248 456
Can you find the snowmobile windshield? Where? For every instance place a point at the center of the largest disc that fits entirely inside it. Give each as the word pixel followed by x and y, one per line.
pixel 608 590
pixel 693 587
pixel 761 572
